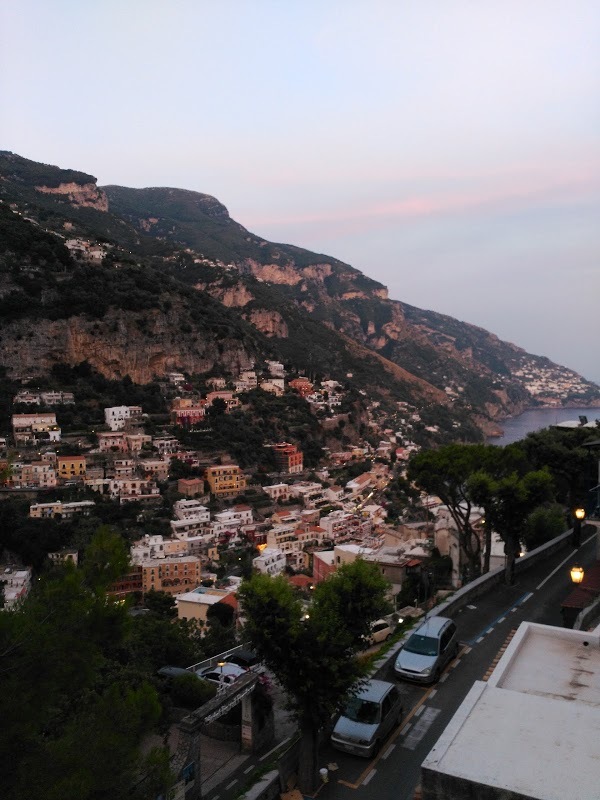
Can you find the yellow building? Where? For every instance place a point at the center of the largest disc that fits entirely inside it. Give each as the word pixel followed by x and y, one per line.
pixel 70 467
pixel 226 480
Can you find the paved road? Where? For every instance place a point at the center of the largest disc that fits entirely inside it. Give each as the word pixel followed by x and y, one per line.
pixel 483 628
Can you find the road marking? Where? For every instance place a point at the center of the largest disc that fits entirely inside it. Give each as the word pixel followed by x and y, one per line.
pixel 233 783
pixel 501 619
pixel 433 693
pixel 561 565
pixel 420 711
pixel 466 650
pixel 388 751
pixel 456 663
pixel 420 728
pixel 499 655
pixel 369 777
pixel 277 747
pixel 472 607
pixel 503 615
pixel 444 677
pixel 408 727
pixel 249 769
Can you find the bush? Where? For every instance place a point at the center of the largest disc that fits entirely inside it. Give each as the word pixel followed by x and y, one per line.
pixel 189 691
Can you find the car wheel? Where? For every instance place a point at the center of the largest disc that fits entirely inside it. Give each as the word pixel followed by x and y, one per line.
pixel 388 636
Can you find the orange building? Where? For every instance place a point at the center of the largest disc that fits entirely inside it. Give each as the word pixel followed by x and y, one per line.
pixel 301 385
pixel 172 575
pixel 288 458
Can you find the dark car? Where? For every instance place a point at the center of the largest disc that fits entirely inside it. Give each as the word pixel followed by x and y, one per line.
pixel 173 672
pixel 243 658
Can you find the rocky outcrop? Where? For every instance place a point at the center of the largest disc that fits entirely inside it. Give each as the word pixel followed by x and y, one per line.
pixel 86 195
pixel 271 323
pixel 143 345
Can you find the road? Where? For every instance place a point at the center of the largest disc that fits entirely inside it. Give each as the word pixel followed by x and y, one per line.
pixel 483 628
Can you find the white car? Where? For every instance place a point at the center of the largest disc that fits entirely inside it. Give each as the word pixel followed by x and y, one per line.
pixel 221 674
pixel 381 630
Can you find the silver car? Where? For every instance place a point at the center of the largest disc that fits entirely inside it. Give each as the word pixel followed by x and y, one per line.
pixel 367 719
pixel 426 653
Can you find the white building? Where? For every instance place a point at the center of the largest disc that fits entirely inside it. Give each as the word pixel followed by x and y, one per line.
pixel 277 491
pixel 531 730
pixel 191 509
pixel 117 416
pixel 271 561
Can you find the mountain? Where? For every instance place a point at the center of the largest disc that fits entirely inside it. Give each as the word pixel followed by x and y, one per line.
pixel 143 281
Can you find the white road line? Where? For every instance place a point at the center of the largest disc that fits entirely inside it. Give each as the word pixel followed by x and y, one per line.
pixel 471 607
pixel 467 650
pixel 432 693
pixel 272 750
pixel 369 777
pixel 526 598
pixel 388 751
pixel 419 711
pixel 512 611
pixel 421 728
pixel 233 783
pixel 456 663
pixel 561 565
pixel 501 619
pixel 408 727
pixel 444 677
pixel 479 640
pixel 249 769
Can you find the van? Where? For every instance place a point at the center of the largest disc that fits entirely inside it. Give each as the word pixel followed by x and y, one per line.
pixel 427 651
pixel 367 718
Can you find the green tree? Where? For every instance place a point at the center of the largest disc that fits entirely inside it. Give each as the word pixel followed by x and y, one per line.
pixel 106 558
pixel 511 500
pixel 313 654
pixel 543 524
pixel 445 472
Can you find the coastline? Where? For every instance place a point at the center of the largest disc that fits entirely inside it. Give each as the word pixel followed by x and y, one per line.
pixel 538 417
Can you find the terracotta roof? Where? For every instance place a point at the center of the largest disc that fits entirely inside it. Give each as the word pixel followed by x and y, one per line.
pixel 301 581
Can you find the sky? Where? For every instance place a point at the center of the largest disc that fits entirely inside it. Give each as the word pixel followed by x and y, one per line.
pixel 447 148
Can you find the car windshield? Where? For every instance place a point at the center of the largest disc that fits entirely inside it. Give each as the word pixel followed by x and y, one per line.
pixel 362 711
pixel 422 645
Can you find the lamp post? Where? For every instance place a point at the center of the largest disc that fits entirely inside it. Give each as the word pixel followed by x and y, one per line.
pixel 579 514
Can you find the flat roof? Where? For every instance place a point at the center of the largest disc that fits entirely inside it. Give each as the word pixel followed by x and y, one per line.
pixel 534 727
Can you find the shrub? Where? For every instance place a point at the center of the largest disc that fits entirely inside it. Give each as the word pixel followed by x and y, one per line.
pixel 189 691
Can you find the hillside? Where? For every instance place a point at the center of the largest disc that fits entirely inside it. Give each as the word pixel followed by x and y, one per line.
pixel 143 281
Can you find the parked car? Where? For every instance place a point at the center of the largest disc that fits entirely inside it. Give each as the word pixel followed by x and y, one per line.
pixel 222 674
pixel 367 718
pixel 426 653
pixel 173 672
pixel 243 658
pixel 381 630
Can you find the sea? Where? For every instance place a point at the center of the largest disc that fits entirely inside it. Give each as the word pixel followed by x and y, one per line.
pixel 535 419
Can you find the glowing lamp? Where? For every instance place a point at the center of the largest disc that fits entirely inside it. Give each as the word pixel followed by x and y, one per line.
pixel 577 574
pixel 579 513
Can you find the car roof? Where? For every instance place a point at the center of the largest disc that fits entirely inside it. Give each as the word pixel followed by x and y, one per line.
pixel 432 626
pixel 374 690
pixel 225 669
pixel 173 672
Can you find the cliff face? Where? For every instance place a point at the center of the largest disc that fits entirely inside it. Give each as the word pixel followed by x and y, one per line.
pixel 87 195
pixel 142 345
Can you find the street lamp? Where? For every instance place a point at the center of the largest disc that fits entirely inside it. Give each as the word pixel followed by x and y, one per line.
pixel 579 514
pixel 577 574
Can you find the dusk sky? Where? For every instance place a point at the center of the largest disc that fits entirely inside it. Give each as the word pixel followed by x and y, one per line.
pixel 447 148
